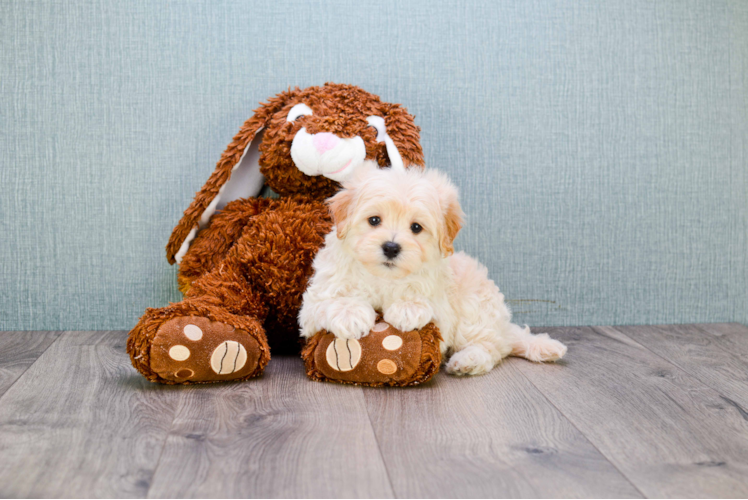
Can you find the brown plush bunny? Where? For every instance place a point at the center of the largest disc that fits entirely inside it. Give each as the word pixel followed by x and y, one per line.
pixel 244 261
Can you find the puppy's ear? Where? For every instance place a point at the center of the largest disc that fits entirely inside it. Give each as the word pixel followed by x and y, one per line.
pixel 341 206
pixel 451 211
pixel 453 222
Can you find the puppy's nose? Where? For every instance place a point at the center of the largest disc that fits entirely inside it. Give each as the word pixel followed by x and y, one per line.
pixel 391 249
pixel 325 141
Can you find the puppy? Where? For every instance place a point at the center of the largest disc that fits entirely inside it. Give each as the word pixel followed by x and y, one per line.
pixel 391 250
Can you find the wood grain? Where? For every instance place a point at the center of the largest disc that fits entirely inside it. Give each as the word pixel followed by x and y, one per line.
pixel 666 431
pixel 281 435
pixel 82 422
pixel 706 356
pixel 733 337
pixel 18 351
pixel 488 436
pixel 659 411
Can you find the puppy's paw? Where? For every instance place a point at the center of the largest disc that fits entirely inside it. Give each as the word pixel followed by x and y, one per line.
pixel 351 319
pixel 408 315
pixel 542 348
pixel 472 360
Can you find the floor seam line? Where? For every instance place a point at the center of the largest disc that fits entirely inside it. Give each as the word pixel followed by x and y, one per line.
pixel 586 437
pixel 163 447
pixel 675 364
pixel 62 333
pixel 379 448
pixel 659 356
pixel 166 437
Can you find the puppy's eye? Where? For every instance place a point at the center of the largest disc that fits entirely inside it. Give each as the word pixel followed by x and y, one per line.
pixel 374 221
pixel 416 228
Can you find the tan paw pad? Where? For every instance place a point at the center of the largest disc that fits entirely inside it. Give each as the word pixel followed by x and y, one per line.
pixel 193 332
pixel 179 353
pixel 380 327
pixel 387 367
pixel 229 357
pixel 392 342
pixel 343 354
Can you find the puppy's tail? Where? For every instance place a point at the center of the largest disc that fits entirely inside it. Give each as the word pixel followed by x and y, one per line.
pixel 538 348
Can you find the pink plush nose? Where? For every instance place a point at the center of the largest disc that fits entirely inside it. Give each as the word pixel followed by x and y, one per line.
pixel 324 142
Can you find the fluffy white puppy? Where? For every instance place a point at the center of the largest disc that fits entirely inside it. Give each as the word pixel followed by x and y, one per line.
pixel 391 250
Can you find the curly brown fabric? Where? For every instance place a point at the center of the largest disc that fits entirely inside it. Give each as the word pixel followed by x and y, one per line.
pixel 245 273
pixel 339 109
pixel 426 364
pixel 141 337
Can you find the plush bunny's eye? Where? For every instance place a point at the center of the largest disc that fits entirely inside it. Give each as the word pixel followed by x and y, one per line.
pixel 298 111
pixel 377 123
pixel 374 221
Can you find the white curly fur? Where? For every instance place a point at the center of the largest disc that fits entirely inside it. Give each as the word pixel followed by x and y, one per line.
pixel 353 277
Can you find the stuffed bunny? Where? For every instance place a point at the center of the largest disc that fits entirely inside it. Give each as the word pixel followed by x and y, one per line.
pixel 244 261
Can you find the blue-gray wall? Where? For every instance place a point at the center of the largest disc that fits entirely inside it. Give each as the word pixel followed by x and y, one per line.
pixel 600 145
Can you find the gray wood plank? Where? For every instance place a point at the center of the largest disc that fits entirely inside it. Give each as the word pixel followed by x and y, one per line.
pixel 732 337
pixel 82 423
pixel 278 436
pixel 18 351
pixel 669 433
pixel 488 436
pixel 700 354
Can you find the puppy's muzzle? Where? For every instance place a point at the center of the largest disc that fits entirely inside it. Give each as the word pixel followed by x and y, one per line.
pixel 391 249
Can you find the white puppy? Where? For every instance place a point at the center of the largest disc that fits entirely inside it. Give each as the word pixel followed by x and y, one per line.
pixel 391 250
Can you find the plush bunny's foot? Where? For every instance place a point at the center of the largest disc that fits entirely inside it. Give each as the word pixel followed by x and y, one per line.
pixel 386 356
pixel 194 349
pixel 172 348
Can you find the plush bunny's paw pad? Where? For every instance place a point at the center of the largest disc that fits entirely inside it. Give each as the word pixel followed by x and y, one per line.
pixel 195 349
pixel 386 356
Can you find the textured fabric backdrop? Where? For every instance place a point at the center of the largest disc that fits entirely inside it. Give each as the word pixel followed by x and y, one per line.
pixel 600 146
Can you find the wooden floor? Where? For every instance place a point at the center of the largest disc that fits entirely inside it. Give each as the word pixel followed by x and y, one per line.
pixel 632 412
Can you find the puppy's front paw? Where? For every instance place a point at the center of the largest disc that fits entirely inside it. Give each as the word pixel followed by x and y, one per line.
pixel 408 316
pixel 472 360
pixel 351 320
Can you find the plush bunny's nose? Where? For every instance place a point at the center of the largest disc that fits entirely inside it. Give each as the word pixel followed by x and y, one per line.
pixel 325 141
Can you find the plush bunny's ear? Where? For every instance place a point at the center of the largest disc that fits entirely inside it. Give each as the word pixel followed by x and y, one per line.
pixel 396 160
pixel 237 175
pixel 404 135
